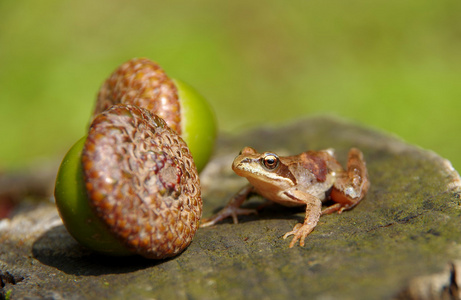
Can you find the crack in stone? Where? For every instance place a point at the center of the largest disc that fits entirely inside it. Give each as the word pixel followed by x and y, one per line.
pixel 7 278
pixel 453 288
pixel 398 221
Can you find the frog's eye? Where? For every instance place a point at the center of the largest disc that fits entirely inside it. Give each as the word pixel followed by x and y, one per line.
pixel 270 161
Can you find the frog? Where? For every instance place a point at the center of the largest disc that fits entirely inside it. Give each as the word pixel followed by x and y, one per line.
pixel 308 179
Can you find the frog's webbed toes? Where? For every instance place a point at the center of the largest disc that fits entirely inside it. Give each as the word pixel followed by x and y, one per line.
pixel 299 232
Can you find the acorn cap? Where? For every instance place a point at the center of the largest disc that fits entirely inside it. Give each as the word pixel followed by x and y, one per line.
pixel 141 181
pixel 144 83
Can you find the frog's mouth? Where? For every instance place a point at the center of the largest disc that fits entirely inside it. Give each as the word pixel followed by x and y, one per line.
pixel 241 167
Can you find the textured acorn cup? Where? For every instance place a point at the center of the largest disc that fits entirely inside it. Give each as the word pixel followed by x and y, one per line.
pixel 140 182
pixel 144 83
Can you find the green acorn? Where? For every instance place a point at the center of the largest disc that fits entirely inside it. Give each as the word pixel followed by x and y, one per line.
pixel 131 186
pixel 143 83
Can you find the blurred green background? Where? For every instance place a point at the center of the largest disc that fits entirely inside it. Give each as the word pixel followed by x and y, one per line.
pixel 388 64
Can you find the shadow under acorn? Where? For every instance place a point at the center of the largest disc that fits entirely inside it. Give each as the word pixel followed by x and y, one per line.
pixel 57 248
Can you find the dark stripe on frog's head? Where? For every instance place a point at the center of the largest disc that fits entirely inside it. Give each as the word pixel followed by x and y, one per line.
pixel 284 171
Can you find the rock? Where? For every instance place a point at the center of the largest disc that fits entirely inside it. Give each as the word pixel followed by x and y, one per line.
pixel 402 241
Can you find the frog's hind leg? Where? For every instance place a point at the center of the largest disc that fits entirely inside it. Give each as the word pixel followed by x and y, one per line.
pixel 351 185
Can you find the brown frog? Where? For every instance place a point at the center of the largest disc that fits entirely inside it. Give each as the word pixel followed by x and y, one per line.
pixel 307 179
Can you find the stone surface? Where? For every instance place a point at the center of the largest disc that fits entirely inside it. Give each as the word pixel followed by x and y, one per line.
pixel 402 241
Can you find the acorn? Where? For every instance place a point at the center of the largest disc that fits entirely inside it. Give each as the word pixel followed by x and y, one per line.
pixel 144 83
pixel 131 186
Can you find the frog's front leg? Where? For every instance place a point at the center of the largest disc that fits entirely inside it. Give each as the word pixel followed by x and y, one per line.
pixel 313 213
pixel 350 186
pixel 232 209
